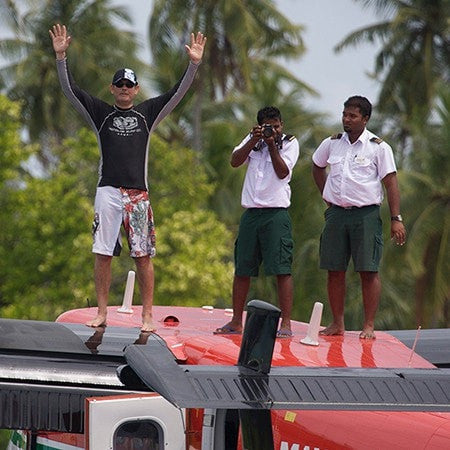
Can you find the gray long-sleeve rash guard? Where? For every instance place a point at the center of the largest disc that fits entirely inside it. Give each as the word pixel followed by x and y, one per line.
pixel 123 134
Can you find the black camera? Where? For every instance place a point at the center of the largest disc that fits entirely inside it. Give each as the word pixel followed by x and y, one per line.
pixel 267 130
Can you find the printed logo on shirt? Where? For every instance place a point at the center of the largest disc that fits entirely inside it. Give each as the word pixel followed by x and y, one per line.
pixel 124 124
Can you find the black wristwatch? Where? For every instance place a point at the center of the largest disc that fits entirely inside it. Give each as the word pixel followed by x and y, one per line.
pixel 397 218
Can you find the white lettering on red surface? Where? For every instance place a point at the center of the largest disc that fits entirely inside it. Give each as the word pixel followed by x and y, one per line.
pixel 285 446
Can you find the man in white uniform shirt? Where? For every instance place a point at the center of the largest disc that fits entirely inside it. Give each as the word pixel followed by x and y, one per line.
pixel 359 164
pixel 265 232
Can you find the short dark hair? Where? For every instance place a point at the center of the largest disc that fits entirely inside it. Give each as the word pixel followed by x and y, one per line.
pixel 268 112
pixel 365 107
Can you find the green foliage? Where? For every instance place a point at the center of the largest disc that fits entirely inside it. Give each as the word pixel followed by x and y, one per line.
pixel 428 258
pixel 307 217
pixel 193 266
pixel 12 153
pixel 194 248
pixel 230 53
pixel 177 179
pixel 46 266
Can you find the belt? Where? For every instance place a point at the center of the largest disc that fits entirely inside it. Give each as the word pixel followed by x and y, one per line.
pixel 352 207
pixel 268 208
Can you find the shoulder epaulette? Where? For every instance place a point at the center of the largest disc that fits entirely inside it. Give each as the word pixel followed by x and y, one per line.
pixel 336 136
pixel 289 137
pixel 376 140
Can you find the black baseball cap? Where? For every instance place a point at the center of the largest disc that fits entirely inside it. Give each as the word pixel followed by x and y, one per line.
pixel 125 74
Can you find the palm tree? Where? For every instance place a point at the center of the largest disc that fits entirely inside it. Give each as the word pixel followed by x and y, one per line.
pixel 230 51
pixel 430 227
pixel 414 59
pixel 97 50
pixel 231 54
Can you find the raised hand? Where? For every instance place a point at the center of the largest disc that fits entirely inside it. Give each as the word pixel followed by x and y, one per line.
pixel 60 40
pixel 195 50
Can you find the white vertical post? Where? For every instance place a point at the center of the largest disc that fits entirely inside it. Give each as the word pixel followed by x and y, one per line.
pixel 312 336
pixel 128 295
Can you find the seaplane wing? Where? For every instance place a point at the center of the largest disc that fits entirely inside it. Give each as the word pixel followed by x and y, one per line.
pixel 48 369
pixel 233 387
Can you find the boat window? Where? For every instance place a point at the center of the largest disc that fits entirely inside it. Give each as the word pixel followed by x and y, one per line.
pixel 138 435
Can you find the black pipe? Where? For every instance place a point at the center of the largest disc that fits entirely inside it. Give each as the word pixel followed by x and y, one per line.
pixel 259 336
pixel 256 354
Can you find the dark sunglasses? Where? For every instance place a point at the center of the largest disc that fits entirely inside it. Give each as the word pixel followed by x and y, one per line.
pixel 121 84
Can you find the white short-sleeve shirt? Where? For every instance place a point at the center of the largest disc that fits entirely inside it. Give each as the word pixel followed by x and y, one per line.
pixel 262 187
pixel 355 170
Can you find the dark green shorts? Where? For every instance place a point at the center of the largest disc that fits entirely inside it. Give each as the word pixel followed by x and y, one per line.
pixel 355 232
pixel 265 235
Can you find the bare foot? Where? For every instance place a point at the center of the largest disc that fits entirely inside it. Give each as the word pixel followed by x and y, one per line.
pixel 147 325
pixel 99 321
pixel 332 330
pixel 367 333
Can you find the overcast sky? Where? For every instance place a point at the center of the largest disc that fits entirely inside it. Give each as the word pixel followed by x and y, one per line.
pixel 326 22
pixel 335 76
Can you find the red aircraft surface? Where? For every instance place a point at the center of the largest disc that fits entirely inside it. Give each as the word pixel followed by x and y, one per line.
pixel 68 386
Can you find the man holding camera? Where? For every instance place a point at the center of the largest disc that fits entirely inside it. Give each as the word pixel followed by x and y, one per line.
pixel 265 234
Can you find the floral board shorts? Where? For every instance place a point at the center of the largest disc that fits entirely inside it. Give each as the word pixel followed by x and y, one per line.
pixel 131 208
